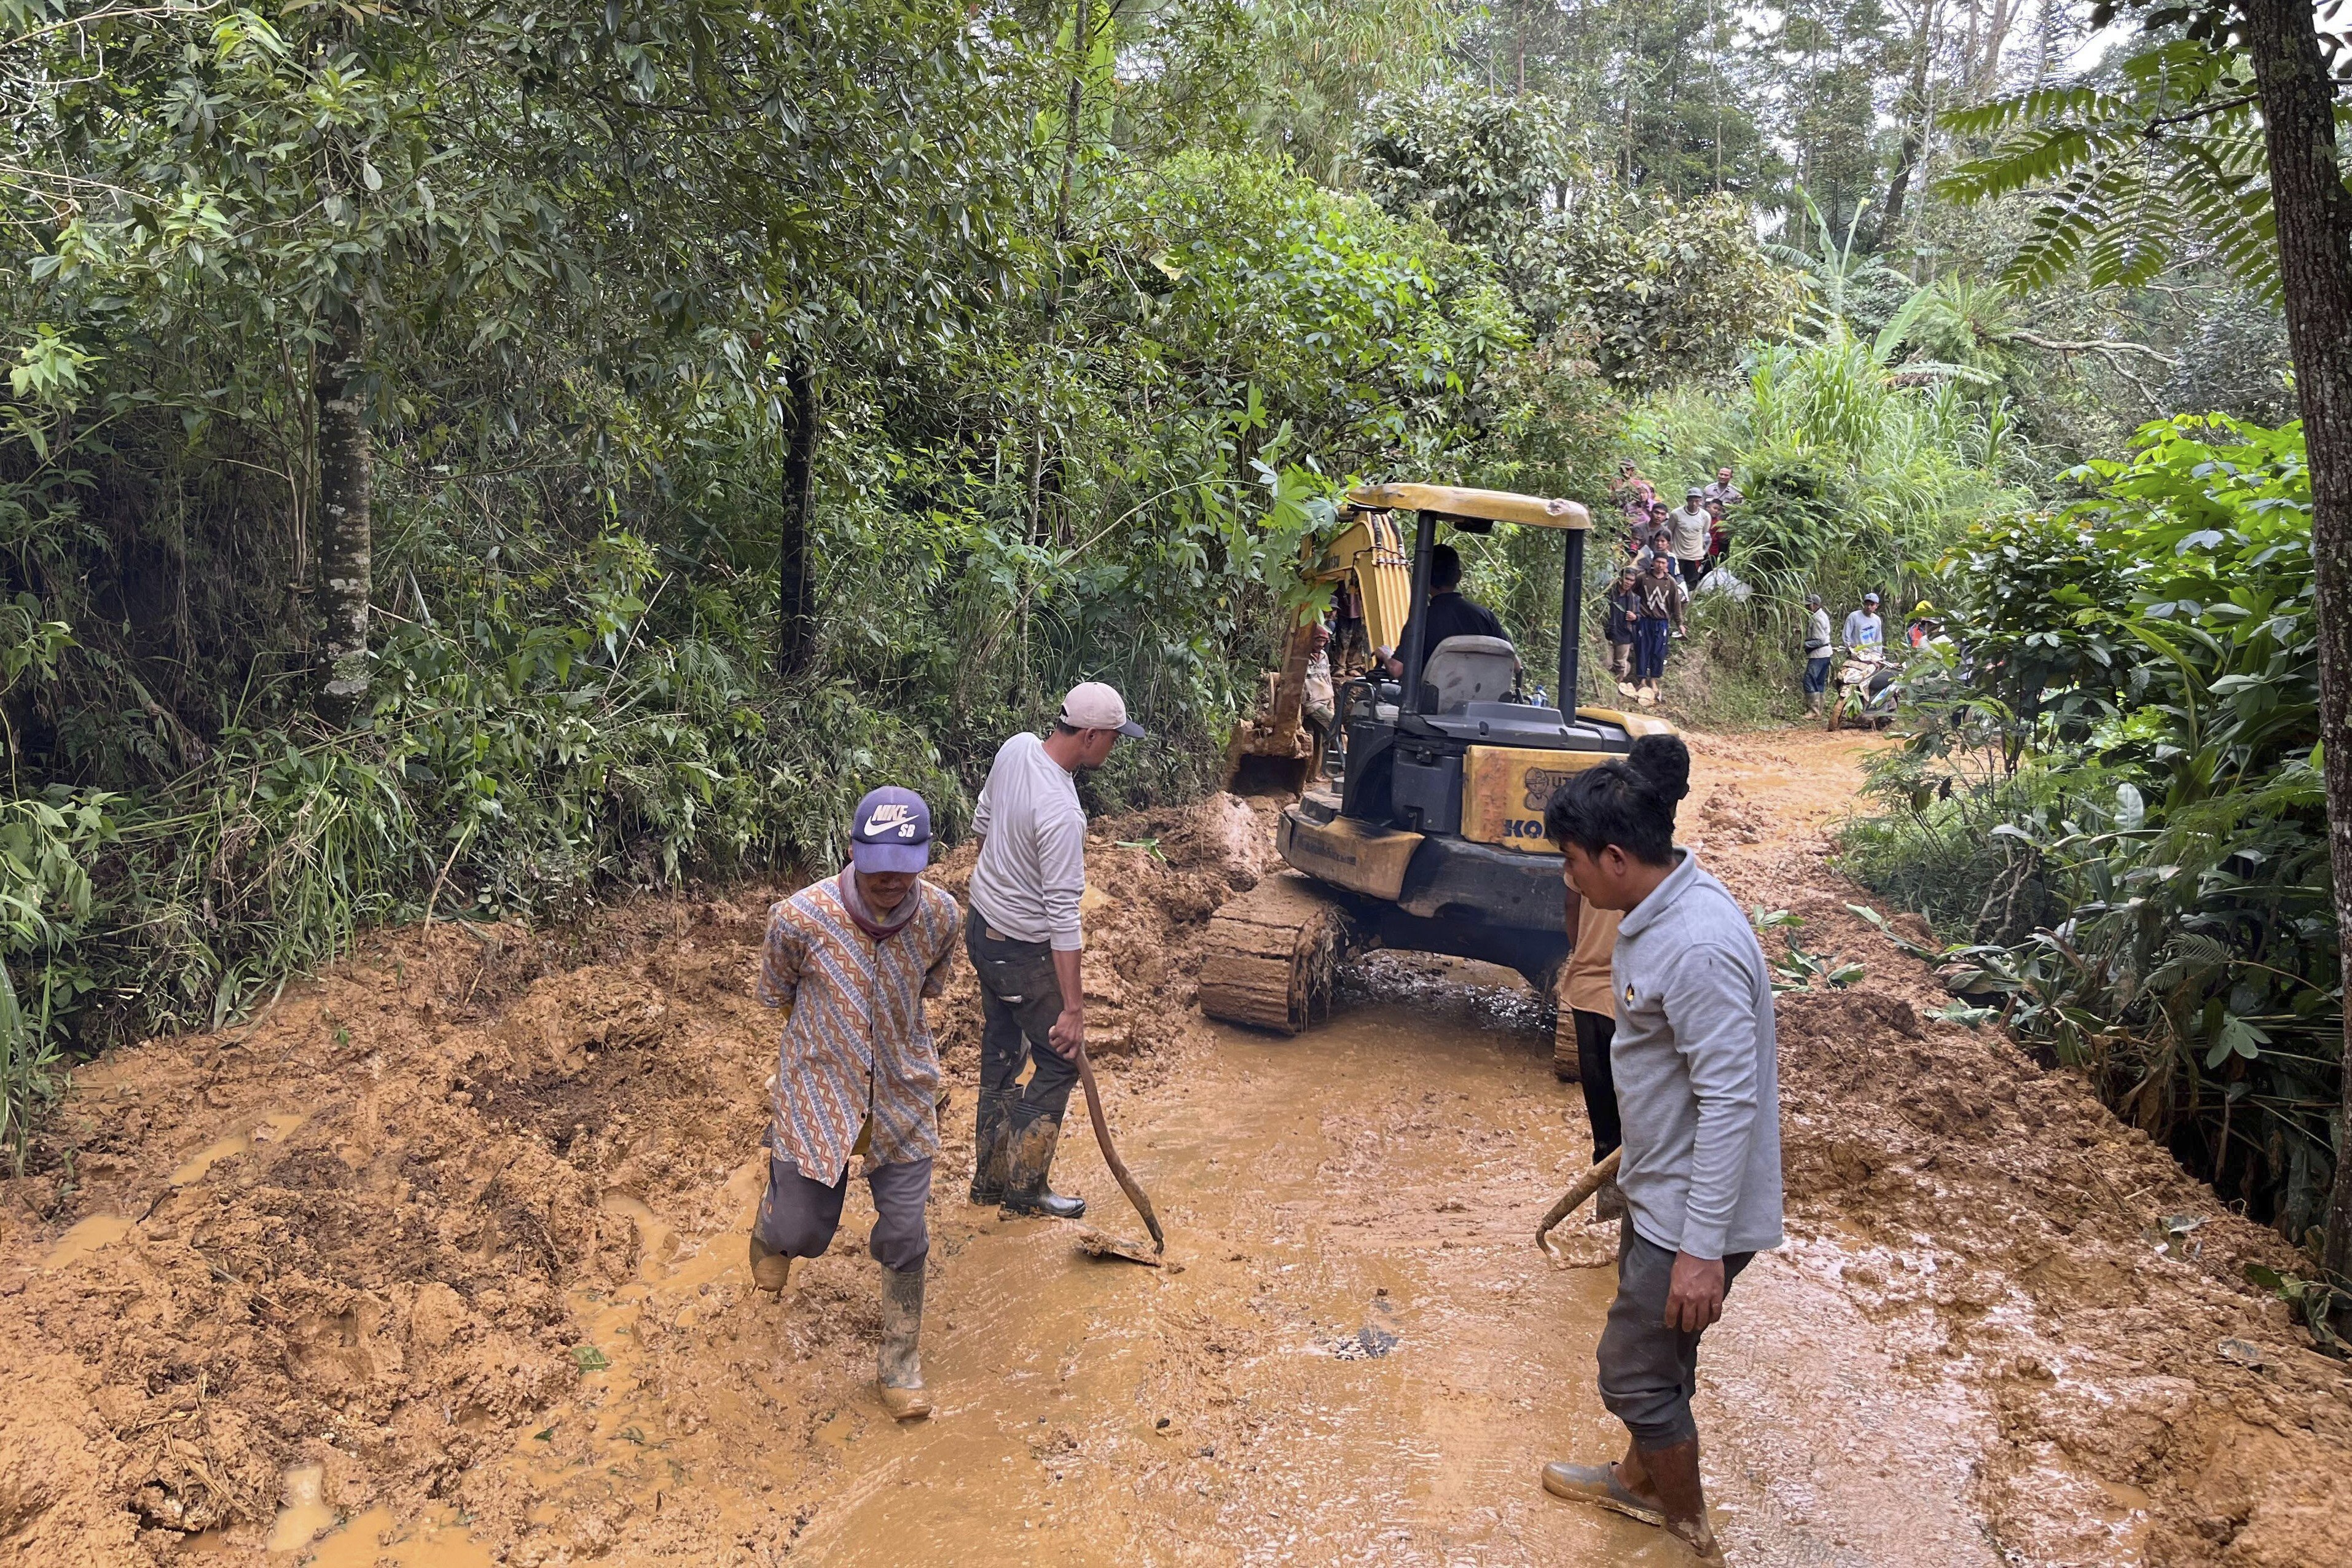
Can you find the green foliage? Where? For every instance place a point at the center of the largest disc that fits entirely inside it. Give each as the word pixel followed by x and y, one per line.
pixel 2123 772
pixel 1649 290
pixel 1655 291
pixel 1480 165
pixel 2171 159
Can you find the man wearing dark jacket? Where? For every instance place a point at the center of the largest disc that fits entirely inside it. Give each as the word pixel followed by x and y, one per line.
pixel 1449 614
pixel 1621 628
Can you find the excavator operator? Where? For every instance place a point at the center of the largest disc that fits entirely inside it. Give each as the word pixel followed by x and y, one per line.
pixel 1449 614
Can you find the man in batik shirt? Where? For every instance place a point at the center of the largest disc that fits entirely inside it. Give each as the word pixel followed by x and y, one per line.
pixel 852 957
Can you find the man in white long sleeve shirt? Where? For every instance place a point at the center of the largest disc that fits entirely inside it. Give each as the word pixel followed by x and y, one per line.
pixel 1862 628
pixel 1697 1072
pixel 1690 524
pixel 1026 942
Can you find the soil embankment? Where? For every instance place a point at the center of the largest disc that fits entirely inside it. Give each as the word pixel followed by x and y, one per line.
pixel 439 1261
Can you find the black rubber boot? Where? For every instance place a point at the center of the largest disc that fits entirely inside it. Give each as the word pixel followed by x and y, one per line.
pixel 1025 1192
pixel 898 1366
pixel 991 1143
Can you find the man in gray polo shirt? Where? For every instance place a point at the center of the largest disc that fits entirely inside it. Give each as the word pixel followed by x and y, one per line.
pixel 1697 1078
pixel 1025 944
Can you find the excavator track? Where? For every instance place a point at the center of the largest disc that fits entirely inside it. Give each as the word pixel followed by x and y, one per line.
pixel 1272 957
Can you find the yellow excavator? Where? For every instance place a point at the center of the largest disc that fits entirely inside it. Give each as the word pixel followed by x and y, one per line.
pixel 1433 841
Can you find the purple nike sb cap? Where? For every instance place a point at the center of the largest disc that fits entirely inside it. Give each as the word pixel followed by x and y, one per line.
pixel 890 831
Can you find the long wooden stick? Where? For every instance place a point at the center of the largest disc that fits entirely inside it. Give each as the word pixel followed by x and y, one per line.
pixel 1586 1186
pixel 1127 1183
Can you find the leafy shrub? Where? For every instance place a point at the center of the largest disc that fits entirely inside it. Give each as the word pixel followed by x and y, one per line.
pixel 2129 734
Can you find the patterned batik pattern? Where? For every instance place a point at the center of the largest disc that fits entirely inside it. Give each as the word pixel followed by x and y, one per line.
pixel 855 1044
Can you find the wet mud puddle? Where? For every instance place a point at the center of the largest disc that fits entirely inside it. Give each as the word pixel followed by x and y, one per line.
pixel 1363 1359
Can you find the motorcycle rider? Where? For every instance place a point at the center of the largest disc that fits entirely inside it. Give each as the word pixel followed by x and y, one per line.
pixel 1864 629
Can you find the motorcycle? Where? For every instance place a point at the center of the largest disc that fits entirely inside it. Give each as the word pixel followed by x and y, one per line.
pixel 1865 690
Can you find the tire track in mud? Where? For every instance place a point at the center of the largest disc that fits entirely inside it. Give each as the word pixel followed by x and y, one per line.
pixel 483 1271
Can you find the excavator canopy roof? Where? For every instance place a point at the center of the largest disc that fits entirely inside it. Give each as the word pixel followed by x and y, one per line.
pixel 1495 506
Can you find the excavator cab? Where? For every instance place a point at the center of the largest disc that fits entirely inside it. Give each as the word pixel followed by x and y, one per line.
pixel 1434 839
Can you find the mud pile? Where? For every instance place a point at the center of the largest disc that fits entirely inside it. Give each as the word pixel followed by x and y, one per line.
pixel 1999 1224
pixel 372 1230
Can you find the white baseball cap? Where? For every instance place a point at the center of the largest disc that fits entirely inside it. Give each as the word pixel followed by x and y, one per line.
pixel 1091 705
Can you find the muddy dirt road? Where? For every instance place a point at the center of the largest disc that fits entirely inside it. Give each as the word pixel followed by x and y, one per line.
pixel 439 1261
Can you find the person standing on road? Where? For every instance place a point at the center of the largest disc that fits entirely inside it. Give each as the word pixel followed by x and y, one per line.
pixel 1690 525
pixel 1621 627
pixel 1817 654
pixel 1025 944
pixel 1586 991
pixel 1657 607
pixel 1862 628
pixel 852 958
pixel 1696 1071
pixel 1320 695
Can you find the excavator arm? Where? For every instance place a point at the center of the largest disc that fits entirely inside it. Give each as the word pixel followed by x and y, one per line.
pixel 1372 550
pixel 1272 749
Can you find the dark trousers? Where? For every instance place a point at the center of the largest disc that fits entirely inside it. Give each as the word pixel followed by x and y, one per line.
pixel 1020 997
pixel 1817 674
pixel 799 1214
pixel 1594 1031
pixel 1693 570
pixel 1648 1371
pixel 1649 649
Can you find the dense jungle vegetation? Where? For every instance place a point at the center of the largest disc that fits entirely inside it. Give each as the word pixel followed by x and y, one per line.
pixel 457 460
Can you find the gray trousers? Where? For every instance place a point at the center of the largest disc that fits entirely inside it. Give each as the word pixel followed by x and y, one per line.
pixel 1648 1371
pixel 1020 997
pixel 798 1214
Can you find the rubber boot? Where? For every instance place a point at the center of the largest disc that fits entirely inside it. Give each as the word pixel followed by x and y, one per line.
pixel 1599 1485
pixel 1609 1203
pixel 991 1141
pixel 898 1366
pixel 770 1271
pixel 1025 1191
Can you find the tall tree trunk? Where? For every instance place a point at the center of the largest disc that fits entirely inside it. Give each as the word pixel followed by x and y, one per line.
pixel 1915 126
pixel 1984 72
pixel 794 640
pixel 2314 241
pixel 346 524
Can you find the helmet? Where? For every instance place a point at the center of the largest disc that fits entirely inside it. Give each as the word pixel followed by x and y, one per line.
pixel 1924 608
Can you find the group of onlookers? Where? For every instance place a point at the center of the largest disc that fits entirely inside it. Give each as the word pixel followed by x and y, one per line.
pixel 1668 553
pixel 1669 550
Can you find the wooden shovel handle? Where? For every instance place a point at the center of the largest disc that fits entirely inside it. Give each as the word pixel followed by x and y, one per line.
pixel 1591 1182
pixel 1127 1183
